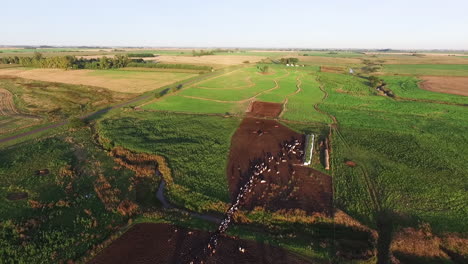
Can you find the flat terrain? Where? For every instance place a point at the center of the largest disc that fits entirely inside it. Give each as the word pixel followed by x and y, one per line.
pixel 210 60
pixel 451 85
pixel 234 92
pixel 114 80
pixel 289 185
pixel 163 243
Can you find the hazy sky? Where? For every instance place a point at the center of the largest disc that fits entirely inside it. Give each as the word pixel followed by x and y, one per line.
pixel 406 24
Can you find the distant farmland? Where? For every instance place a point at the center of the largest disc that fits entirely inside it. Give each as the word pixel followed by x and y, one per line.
pixel 115 80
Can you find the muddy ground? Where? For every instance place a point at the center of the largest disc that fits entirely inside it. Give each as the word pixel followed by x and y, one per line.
pixel 264 109
pixel 294 187
pixel 164 243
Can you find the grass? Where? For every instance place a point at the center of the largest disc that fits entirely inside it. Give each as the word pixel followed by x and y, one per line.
pixel 122 81
pixel 230 93
pixel 427 69
pixel 51 225
pixel 40 102
pixel 196 148
pixel 177 103
pixel 408 87
pixel 410 153
pixel 300 106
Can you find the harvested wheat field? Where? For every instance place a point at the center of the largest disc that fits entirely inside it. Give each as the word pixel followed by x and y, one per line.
pixel 164 243
pixel 115 80
pixel 287 184
pixel 211 60
pixel 265 109
pixel 451 85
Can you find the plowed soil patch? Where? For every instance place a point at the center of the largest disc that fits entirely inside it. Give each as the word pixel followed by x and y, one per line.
pixel 163 243
pixel 451 85
pixel 265 109
pixel 294 187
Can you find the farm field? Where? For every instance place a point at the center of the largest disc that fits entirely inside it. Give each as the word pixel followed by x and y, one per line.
pixel 59 196
pixel 408 176
pixel 217 61
pixel 427 69
pixel 233 92
pixel 417 87
pixel 194 140
pixel 195 146
pixel 37 102
pixel 114 80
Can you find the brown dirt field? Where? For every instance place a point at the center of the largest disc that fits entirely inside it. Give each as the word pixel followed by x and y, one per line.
pixel 326 60
pixel 305 189
pixel 443 84
pixel 7 106
pixel 333 69
pixel 265 109
pixel 164 243
pixel 126 82
pixel 211 60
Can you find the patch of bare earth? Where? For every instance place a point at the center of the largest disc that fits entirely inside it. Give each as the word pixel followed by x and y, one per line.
pixel 164 243
pixel 265 109
pixel 445 84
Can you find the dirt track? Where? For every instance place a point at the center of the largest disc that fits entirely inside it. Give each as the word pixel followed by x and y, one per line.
pixel 451 85
pixel 164 243
pixel 295 186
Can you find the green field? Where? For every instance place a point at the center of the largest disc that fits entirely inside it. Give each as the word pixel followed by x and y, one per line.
pixel 51 225
pixel 231 93
pixel 427 69
pixel 412 154
pixel 407 87
pixel 196 148
pixel 38 102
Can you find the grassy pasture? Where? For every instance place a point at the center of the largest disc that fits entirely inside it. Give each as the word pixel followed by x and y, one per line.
pixel 38 102
pixel 51 225
pixel 231 93
pixel 410 153
pixel 177 103
pixel 427 69
pixel 406 86
pixel 196 148
pixel 300 106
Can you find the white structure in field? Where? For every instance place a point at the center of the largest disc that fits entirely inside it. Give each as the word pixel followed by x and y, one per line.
pixel 308 155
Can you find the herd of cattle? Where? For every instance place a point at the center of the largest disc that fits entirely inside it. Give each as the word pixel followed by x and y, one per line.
pixel 289 150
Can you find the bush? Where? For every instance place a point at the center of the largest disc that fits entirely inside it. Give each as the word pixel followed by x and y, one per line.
pixel 76 123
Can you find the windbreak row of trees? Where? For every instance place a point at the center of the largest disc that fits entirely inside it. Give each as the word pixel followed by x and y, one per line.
pixel 289 60
pixel 68 62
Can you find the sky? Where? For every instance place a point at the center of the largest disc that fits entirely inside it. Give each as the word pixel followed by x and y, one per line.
pixel 396 24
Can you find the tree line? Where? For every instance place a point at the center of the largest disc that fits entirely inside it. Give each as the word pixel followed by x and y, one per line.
pixel 68 62
pixel 289 60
